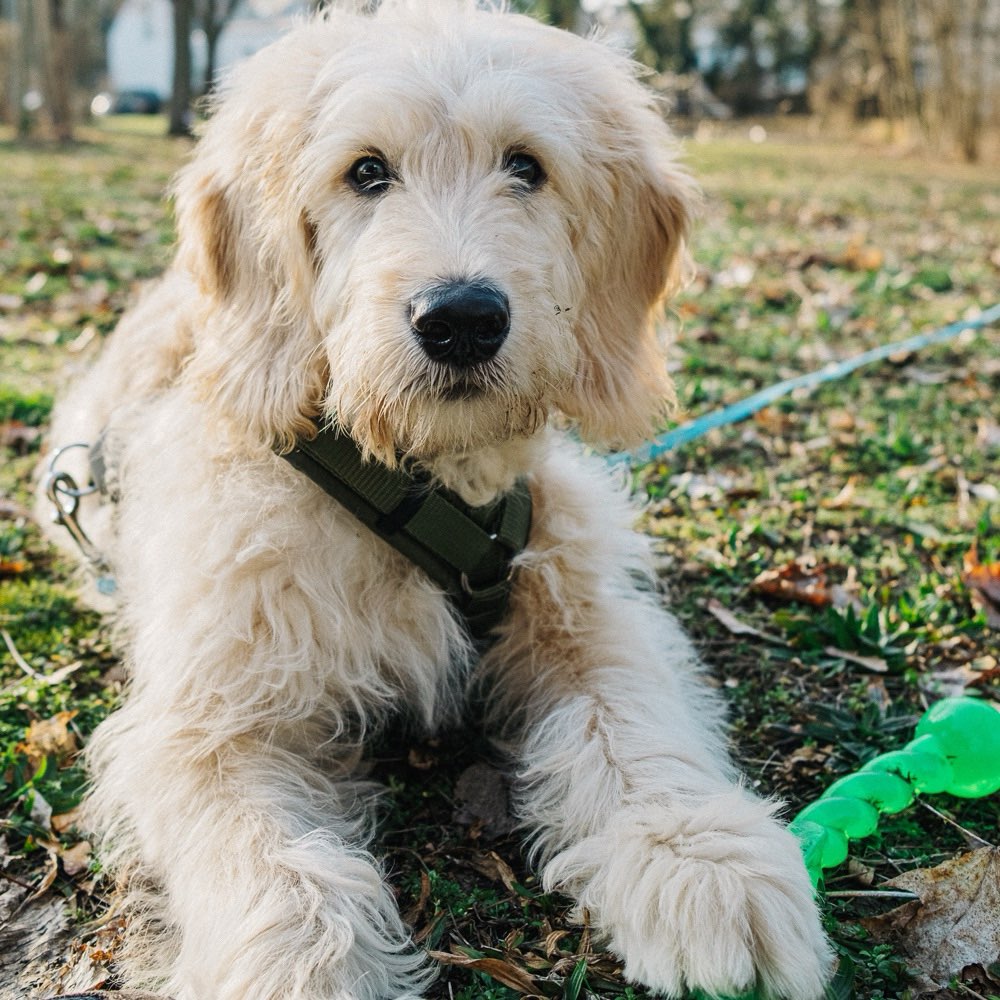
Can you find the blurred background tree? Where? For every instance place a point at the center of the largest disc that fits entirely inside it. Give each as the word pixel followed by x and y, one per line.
pixel 180 116
pixel 212 16
pixel 664 35
pixel 566 14
pixel 927 71
pixel 52 53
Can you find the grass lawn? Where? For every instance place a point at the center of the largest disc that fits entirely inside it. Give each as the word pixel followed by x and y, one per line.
pixel 878 488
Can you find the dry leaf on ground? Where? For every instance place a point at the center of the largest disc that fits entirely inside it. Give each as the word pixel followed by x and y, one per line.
pixel 493 866
pixel 76 859
pixel 12 567
pixel 496 968
pixel 954 681
pixel 12 511
pixel 876 664
pixel 795 581
pixel 63 822
pixel 49 738
pixel 860 256
pixel 983 581
pixel 17 436
pixel 773 421
pixel 988 433
pixel 730 622
pixel 845 498
pixel 954 925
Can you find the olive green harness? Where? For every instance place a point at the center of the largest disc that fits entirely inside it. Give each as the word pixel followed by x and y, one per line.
pixel 468 551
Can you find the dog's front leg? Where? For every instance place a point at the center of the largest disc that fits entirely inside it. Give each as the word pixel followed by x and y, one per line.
pixel 264 888
pixel 625 779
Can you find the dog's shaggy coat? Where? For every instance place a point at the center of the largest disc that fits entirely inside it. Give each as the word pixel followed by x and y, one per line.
pixel 266 631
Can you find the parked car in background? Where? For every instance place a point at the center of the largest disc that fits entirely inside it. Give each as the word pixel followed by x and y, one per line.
pixel 127 102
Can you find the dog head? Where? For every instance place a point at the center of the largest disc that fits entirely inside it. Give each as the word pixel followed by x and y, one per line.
pixel 438 223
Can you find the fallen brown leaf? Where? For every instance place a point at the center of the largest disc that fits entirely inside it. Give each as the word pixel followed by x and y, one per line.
pixel 415 912
pixel 988 434
pixel 772 420
pixel 860 256
pixel 878 694
pixel 496 968
pixel 552 940
pixel 873 663
pixel 845 498
pixel 775 291
pixel 913 471
pixel 429 928
pixel 76 859
pixel 955 923
pixel 795 581
pixel 985 491
pixel 65 821
pixel 12 567
pixel 49 738
pixel 954 681
pixel 983 581
pixel 734 625
pixel 51 871
pixel 840 421
pixel 11 511
pixel 17 436
pixel 842 596
pixel 421 758
pixel 490 864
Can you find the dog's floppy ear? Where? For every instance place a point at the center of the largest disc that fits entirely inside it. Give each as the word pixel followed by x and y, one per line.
pixel 246 240
pixel 632 249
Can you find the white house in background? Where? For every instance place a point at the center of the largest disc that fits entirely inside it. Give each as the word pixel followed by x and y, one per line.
pixel 140 42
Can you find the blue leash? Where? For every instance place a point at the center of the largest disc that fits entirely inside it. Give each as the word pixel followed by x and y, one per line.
pixel 838 369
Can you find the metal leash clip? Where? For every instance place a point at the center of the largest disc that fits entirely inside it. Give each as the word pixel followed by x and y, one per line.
pixel 64 494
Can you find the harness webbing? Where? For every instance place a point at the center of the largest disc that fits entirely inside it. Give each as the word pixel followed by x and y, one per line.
pixel 467 551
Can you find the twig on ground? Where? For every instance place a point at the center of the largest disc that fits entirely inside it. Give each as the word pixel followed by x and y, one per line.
pixel 871 893
pixel 970 992
pixel 17 657
pixel 13 878
pixel 968 834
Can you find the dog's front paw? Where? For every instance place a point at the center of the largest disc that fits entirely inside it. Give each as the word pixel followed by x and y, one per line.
pixel 713 896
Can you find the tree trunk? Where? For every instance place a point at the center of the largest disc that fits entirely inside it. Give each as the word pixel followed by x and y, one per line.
pixel 57 60
pixel 897 45
pixel 19 67
pixel 211 48
pixel 971 122
pixel 89 26
pixel 180 98
pixel 212 16
pixel 949 95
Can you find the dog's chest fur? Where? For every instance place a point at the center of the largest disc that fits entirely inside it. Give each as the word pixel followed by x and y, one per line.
pixel 366 627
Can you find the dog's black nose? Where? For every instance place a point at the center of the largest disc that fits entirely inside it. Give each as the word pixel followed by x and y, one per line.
pixel 460 323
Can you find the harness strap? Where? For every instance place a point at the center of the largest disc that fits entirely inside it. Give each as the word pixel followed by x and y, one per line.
pixel 468 551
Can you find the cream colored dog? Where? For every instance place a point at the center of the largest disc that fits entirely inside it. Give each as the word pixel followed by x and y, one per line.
pixel 440 225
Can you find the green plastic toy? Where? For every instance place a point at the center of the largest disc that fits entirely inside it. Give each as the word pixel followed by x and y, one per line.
pixel 956 749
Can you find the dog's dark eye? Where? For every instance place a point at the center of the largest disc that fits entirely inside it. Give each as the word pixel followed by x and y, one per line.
pixel 369 175
pixel 524 167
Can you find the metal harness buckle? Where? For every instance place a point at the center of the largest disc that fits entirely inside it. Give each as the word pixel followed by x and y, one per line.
pixel 64 494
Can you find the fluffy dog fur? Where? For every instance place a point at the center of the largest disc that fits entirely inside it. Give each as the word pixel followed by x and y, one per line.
pixel 266 632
